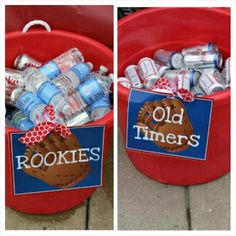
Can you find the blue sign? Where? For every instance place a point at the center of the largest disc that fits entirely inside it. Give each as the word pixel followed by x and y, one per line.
pixel 61 168
pixel 168 126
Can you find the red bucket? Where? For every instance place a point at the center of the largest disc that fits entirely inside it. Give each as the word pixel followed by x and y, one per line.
pixel 175 28
pixel 44 46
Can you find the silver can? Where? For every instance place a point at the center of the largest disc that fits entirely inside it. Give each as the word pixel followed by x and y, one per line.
pixel 131 73
pixel 197 91
pixel 23 61
pixel 171 58
pixel 183 82
pixel 148 72
pixel 13 78
pixel 209 84
pixel 124 82
pixel 161 68
pixel 226 73
pixel 200 60
pixel 200 48
pixel 216 73
pixel 192 75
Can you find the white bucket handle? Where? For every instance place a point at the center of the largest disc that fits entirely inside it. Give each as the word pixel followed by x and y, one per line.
pixel 36 22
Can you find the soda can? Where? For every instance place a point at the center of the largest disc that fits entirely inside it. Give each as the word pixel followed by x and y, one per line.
pixel 200 60
pixel 216 73
pixel 200 48
pixel 171 58
pixel 192 75
pixel 197 91
pixel 24 61
pixel 148 72
pixel 161 68
pixel 13 78
pixel 227 72
pixel 209 84
pixel 131 73
pixel 183 82
pixel 124 82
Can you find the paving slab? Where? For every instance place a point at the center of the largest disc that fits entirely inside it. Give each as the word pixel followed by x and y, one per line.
pixel 100 212
pixel 144 204
pixel 210 205
pixel 74 219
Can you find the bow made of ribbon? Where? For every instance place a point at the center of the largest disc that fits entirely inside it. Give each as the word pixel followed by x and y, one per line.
pixel 41 130
pixel 163 85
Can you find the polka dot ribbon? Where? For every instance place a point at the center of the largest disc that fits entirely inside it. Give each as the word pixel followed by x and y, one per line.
pixel 163 84
pixel 38 133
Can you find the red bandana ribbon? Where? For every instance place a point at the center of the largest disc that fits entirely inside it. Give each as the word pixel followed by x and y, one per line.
pixel 38 133
pixel 163 85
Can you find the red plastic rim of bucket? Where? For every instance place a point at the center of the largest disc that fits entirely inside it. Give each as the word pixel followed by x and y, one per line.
pixel 221 98
pixel 53 202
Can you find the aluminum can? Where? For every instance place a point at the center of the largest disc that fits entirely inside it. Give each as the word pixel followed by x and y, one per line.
pixel 209 84
pixel 131 73
pixel 171 58
pixel 216 73
pixel 13 78
pixel 24 61
pixel 200 48
pixel 227 75
pixel 200 60
pixel 124 82
pixel 148 72
pixel 192 75
pixel 183 82
pixel 197 91
pixel 161 68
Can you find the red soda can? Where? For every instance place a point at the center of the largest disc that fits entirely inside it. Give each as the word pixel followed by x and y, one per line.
pixel 148 72
pixel 124 82
pixel 13 78
pixel 23 61
pixel 131 73
pixel 171 58
pixel 183 82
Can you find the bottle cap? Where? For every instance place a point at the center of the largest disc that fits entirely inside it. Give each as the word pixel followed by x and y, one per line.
pixel 90 64
pixel 103 69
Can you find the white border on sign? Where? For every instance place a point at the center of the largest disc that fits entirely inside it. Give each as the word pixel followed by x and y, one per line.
pixel 161 153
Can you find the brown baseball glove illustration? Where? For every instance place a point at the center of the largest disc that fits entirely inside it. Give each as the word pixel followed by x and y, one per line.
pixel 58 175
pixel 145 119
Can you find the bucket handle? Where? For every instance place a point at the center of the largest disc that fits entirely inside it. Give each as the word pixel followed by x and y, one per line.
pixel 36 22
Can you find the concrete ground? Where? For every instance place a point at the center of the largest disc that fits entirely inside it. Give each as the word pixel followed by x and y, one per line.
pixel 144 204
pixel 94 214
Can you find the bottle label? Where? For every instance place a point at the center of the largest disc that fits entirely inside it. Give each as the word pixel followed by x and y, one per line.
pixel 27 102
pixel 168 126
pixel 50 70
pixel 78 157
pixel 90 91
pixel 47 91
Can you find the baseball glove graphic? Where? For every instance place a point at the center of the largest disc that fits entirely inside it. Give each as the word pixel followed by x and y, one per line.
pixel 145 119
pixel 58 175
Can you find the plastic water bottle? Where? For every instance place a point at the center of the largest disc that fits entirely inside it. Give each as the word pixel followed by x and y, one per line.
pixel 95 88
pixel 30 105
pixel 49 93
pixel 33 79
pixel 100 108
pixel 20 121
pixel 71 79
pixel 102 71
pixel 62 63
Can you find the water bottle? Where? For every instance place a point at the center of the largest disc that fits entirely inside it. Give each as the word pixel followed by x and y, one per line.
pixel 33 79
pixel 20 121
pixel 71 79
pixel 62 63
pixel 49 93
pixel 95 88
pixel 30 105
pixel 100 108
